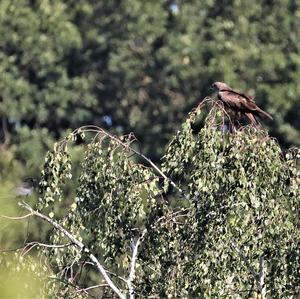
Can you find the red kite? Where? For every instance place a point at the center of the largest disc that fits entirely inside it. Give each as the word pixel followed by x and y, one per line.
pixel 238 104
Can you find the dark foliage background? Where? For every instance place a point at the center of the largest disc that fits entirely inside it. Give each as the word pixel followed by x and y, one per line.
pixel 140 66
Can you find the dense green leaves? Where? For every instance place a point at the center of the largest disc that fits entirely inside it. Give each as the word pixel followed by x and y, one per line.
pixel 114 200
pixel 243 209
pixel 233 231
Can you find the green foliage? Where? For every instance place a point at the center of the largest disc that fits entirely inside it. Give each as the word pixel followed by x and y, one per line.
pixel 139 65
pixel 113 188
pixel 244 203
pixel 114 199
pixel 236 225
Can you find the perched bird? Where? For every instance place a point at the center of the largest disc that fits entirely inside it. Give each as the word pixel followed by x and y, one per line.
pixel 26 188
pixel 238 104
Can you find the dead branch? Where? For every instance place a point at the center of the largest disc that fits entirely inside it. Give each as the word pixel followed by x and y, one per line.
pixel 79 244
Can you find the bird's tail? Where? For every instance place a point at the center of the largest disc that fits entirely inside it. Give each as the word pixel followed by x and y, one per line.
pixel 262 113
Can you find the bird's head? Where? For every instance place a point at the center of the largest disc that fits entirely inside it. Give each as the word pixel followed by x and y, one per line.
pixel 220 86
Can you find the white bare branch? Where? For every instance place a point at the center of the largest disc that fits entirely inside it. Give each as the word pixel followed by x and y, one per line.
pixel 79 244
pixel 92 287
pixel 16 218
pixel 133 264
pixel 262 286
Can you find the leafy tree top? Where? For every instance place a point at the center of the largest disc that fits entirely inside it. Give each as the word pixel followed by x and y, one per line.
pixel 232 228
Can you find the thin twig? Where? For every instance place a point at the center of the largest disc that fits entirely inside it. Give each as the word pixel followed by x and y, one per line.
pixel 78 244
pixel 68 283
pixel 16 218
pixel 171 216
pixel 117 276
pixel 31 245
pixel 92 287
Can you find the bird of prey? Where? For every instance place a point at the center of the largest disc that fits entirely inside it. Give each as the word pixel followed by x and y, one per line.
pixel 238 104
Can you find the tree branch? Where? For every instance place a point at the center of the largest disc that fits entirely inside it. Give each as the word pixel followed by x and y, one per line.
pixel 78 244
pixel 261 280
pixel 16 218
pixel 31 245
pixel 95 129
pixel 133 263
pixel 92 287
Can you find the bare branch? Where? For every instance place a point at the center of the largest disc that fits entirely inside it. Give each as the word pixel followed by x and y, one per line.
pixel 78 244
pixel 96 129
pixel 68 283
pixel 133 263
pixel 31 245
pixel 16 218
pixel 172 216
pixel 262 286
pixel 92 287
pixel 117 276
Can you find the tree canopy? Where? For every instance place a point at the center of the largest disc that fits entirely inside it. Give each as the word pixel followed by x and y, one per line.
pixel 140 66
pixel 229 226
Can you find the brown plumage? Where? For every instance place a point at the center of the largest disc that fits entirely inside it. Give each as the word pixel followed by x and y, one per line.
pixel 238 104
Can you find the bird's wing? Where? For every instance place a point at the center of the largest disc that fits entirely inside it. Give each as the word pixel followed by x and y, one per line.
pixel 246 96
pixel 242 102
pixel 238 100
pixel 233 99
